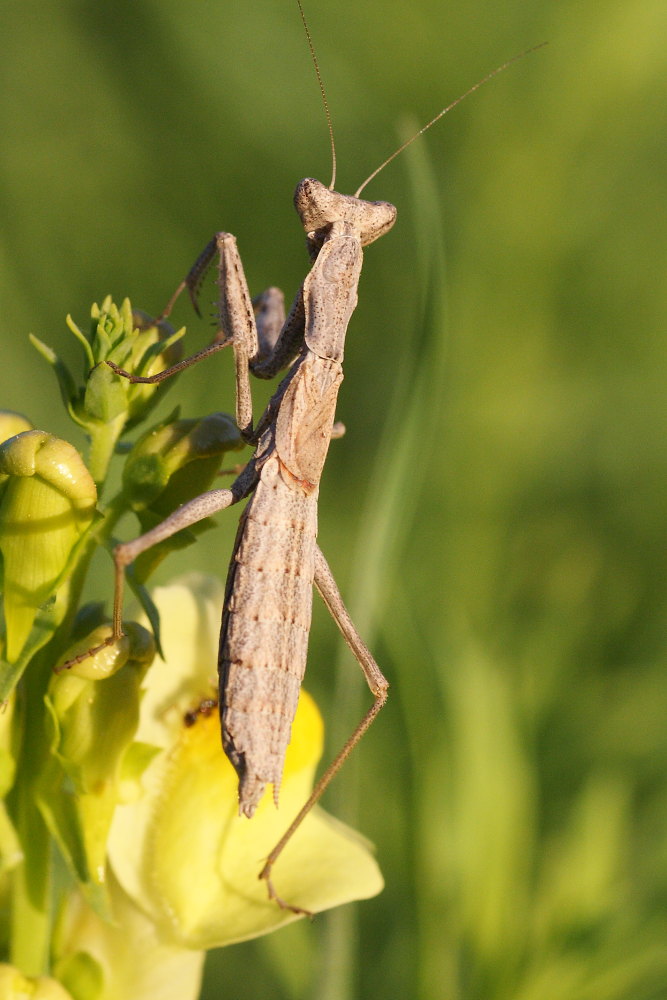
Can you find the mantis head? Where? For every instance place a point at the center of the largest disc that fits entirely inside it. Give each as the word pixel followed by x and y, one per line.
pixel 320 208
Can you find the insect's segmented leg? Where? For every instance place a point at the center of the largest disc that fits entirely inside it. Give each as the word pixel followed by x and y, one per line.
pixel 330 594
pixel 377 682
pixel 195 510
pixel 205 505
pixel 269 309
pixel 193 279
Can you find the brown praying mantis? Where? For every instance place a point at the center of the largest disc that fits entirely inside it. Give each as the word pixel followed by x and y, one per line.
pixel 276 559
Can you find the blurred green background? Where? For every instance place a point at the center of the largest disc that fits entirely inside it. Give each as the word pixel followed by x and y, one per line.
pixel 496 511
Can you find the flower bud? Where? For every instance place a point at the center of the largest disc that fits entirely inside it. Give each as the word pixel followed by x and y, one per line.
pixel 156 346
pixel 96 718
pixel 47 502
pixel 12 423
pixel 133 340
pixel 93 725
pixel 137 644
pixel 170 465
pixel 152 467
pixel 107 404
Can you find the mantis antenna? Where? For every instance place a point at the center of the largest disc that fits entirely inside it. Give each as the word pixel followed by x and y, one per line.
pixel 440 114
pixel 323 93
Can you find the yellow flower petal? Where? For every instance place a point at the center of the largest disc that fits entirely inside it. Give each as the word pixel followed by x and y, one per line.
pixel 182 851
pixel 15 986
pixel 134 963
pixel 190 611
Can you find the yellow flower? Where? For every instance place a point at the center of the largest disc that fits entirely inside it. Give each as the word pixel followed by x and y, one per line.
pixel 181 851
pixel 122 958
pixel 15 986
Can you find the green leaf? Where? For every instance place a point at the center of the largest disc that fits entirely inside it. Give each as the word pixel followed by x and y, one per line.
pixel 68 389
pixel 147 605
pixel 83 340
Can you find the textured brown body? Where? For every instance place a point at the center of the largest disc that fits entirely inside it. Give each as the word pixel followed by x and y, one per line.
pixel 268 598
pixel 265 625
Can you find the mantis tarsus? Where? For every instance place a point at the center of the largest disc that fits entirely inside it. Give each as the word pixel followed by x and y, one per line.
pixel 276 559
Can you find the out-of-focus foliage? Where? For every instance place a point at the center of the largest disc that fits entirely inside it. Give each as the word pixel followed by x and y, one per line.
pixel 511 576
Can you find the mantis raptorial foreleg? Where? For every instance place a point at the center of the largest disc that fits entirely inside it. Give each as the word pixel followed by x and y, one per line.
pixel 264 342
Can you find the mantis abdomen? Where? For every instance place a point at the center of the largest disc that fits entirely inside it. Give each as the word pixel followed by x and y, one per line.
pixel 265 626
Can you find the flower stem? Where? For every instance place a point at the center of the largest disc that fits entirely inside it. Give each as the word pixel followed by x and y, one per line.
pixel 31 880
pixel 31 891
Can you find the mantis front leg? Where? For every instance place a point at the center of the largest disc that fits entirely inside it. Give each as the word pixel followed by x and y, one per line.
pixel 262 339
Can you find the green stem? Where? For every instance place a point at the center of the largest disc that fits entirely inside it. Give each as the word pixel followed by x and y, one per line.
pixel 103 441
pixel 31 901
pixel 99 537
pixel 113 513
pixel 31 895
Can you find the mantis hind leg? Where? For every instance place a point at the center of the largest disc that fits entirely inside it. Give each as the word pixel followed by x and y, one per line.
pixel 378 684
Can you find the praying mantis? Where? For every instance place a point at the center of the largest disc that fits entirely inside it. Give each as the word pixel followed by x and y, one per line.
pixel 276 559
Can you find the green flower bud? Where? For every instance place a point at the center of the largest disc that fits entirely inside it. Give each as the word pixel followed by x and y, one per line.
pixel 15 986
pixel 95 706
pixel 133 340
pixel 192 447
pixel 47 502
pixel 107 404
pixel 170 465
pixel 136 644
pixel 12 423
pixel 93 725
pixel 155 346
